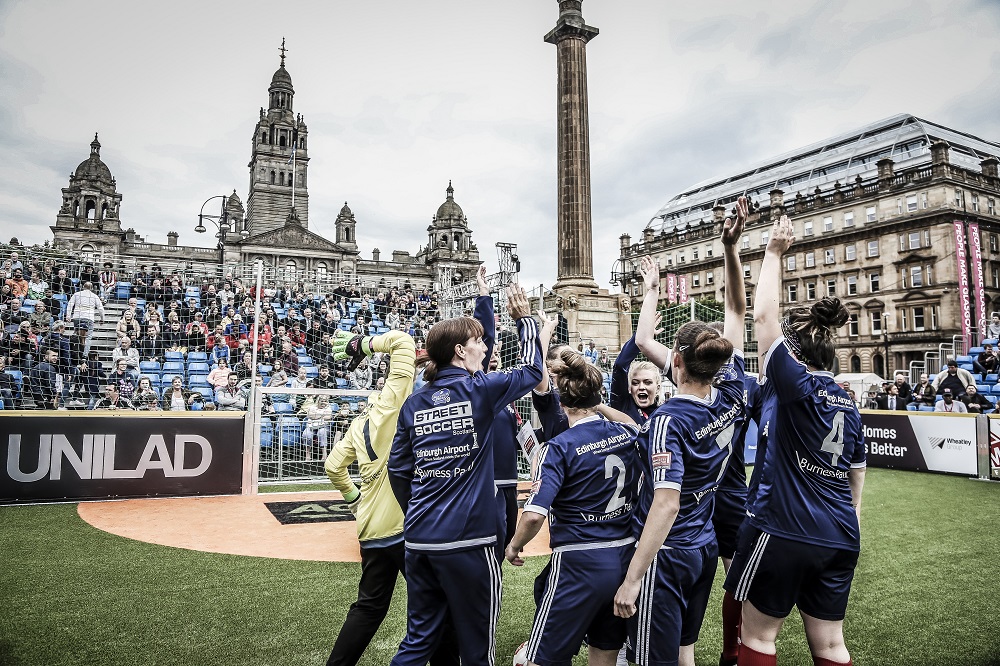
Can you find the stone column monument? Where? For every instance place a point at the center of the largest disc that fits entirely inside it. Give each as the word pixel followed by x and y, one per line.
pixel 591 313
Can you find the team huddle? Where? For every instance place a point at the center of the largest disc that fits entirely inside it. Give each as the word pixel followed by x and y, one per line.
pixel 641 499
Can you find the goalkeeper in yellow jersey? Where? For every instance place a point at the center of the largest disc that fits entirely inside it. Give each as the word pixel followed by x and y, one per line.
pixel 379 518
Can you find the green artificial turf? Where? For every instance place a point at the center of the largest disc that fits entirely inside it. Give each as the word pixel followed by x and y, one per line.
pixel 925 592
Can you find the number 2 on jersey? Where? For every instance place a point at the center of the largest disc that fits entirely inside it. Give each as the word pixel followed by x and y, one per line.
pixel 612 464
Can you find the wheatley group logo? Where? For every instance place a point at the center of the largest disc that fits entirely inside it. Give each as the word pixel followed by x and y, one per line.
pixel 949 442
pixel 93 457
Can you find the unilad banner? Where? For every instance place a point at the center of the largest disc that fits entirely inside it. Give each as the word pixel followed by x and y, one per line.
pixel 89 457
pixel 921 441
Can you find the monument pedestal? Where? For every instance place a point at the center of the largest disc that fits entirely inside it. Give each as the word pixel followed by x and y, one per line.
pixel 596 314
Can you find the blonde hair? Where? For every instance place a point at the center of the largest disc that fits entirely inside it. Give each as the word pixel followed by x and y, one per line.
pixel 639 366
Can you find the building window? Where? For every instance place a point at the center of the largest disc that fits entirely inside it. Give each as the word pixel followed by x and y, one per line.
pixel 710 277
pixel 848 220
pixel 745 242
pixel 934 317
pixel 811 291
pixel 852 285
pixel 850 252
pixel 874 282
pixel 696 280
pixel 873 248
pixel 975 203
pixel 829 256
pixel 793 293
pixel 694 254
pixel 746 271
pixel 927 237
pixel 927 275
pixel 876 323
pixel 764 236
pixel 903 320
pixel 810 259
pixel 916 276
pixel 923 200
pixel 991 206
pixel 831 287
pixel 994 243
pixel 914 240
pixel 827 223
pixel 870 215
pixel 918 318
pixel 790 262
pixel 680 258
pixel 852 326
pixel 708 251
pixel 807 228
pixel 899 206
pixel 959 198
pixel 855 363
pixel 911 203
pixel 996 278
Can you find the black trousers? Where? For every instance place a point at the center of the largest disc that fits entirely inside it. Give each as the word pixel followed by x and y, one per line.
pixel 379 569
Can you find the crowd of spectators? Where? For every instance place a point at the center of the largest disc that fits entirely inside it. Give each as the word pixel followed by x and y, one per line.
pixel 182 346
pixel 953 390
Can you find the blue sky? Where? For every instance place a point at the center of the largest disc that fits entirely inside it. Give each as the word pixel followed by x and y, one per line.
pixel 402 96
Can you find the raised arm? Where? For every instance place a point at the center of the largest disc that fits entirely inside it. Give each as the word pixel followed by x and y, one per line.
pixel 766 309
pixel 484 314
pixel 544 339
pixel 645 330
pixel 504 387
pixel 736 304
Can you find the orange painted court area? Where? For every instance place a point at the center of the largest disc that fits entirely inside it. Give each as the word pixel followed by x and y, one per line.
pixel 237 525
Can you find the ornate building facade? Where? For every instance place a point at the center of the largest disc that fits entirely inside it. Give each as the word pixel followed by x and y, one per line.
pixel 885 218
pixel 271 228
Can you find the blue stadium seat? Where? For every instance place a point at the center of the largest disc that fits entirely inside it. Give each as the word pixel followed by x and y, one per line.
pixel 992 398
pixel 197 356
pixel 283 407
pixel 154 379
pixel 305 361
pixel 265 369
pixel 123 290
pixel 965 366
pixel 991 341
pixel 149 366
pixel 173 356
pixel 992 378
pixel 18 378
pixel 173 368
pixel 996 389
pixel 266 435
pixel 926 408
pixel 975 351
pixel 311 371
pixel 983 388
pixel 289 431
pixel 198 368
pixel 341 382
pixel 196 406
pixel 963 359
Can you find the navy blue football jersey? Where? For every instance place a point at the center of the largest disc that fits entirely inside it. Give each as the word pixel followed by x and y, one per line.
pixel 505 447
pixel 761 411
pixel 814 439
pixel 685 446
pixel 620 397
pixel 734 480
pixel 586 483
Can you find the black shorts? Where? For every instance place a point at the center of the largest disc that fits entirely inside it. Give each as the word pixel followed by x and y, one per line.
pixel 730 510
pixel 775 574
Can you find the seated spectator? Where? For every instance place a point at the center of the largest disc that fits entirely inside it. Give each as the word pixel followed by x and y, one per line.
pixel 296 336
pixel 289 357
pixel 892 401
pixel 145 398
pixel 591 353
pixel 219 376
pixel 18 285
pixel 924 391
pixel 994 330
pixel 177 398
pixel 324 380
pixel 987 361
pixel 151 345
pixel 197 333
pixel 947 403
pixel 113 400
pixel 123 378
pixel 319 417
pixel 37 286
pixel 21 350
pixel 264 334
pixel 219 350
pixel 244 368
pixel 11 316
pixel 905 390
pixel 236 329
pixel 128 326
pixel 279 377
pixel 153 318
pixel 229 397
pixel 975 402
pixel 89 274
pixel 342 421
pixel 361 378
pixel 954 378
pixel 109 281
pixel 61 284
pixel 175 339
pixel 40 319
pixel 126 351
pixel 8 387
pixel 86 382
pixel 42 381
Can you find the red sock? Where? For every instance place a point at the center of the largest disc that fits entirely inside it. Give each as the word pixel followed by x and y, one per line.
pixel 732 616
pixel 750 657
pixel 820 661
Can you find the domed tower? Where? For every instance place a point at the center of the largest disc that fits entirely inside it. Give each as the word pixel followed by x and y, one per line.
pixel 90 207
pixel 279 160
pixel 449 239
pixel 345 227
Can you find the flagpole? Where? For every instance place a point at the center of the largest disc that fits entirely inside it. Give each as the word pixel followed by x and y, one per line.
pixel 293 176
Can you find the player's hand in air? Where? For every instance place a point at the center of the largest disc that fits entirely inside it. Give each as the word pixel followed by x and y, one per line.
pixel 517 302
pixel 650 273
pixel 484 288
pixel 732 228
pixel 782 236
pixel 548 323
pixel 347 345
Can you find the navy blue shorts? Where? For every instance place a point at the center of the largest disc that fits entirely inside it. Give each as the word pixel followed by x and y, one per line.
pixel 775 574
pixel 671 604
pixel 577 599
pixel 730 510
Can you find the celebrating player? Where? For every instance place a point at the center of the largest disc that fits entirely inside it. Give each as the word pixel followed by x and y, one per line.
pixel 585 482
pixel 441 471
pixel 682 452
pixel 804 537
pixel 379 519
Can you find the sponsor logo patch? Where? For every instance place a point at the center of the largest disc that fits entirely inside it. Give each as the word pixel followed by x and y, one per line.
pixel 662 460
pixel 441 397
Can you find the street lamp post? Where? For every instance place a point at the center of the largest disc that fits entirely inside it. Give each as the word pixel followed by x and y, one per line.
pixel 885 341
pixel 222 222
